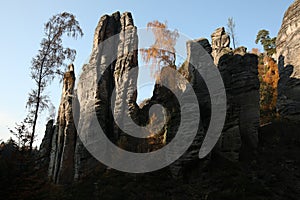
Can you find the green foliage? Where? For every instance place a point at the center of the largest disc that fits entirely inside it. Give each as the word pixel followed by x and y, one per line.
pixel 269 44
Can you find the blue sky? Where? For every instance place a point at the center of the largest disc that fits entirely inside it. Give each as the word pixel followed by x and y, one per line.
pixel 22 30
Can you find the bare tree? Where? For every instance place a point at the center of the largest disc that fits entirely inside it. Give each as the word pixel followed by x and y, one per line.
pixel 50 62
pixel 231 31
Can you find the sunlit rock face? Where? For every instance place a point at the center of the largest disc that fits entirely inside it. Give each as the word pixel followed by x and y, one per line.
pixel 68 158
pixel 288 39
pixel 239 72
pixel 288 53
pixel 115 58
pixel 61 166
pixel 220 42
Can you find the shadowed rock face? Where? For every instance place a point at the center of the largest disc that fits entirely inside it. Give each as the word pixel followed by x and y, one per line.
pixel 240 76
pixel 45 147
pixel 288 52
pixel 240 134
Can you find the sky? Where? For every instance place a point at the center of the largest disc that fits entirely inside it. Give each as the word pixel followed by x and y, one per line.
pixel 22 23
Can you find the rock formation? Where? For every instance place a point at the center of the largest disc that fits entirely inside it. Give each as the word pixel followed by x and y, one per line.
pixel 240 76
pixel 191 156
pixel 115 59
pixel 69 159
pixel 288 51
pixel 45 147
pixel 288 39
pixel 126 83
pixel 61 166
pixel 113 99
pixel 220 42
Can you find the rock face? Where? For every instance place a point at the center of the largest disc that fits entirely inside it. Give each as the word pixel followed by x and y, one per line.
pixel 113 99
pixel 220 42
pixel 288 51
pixel 61 166
pixel 288 39
pixel 240 76
pixel 115 59
pixel 45 147
pixel 68 159
pixel 190 157
pixel 126 83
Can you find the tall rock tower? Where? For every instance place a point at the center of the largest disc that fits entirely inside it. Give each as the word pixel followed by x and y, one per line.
pixel 61 166
pixel 64 152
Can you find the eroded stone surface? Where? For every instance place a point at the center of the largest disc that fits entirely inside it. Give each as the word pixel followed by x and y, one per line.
pixel 240 76
pixel 45 147
pixel 288 53
pixel 61 167
pixel 220 42
pixel 69 158
pixel 288 39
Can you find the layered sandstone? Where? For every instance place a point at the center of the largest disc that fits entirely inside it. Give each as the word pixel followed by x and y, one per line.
pixel 288 51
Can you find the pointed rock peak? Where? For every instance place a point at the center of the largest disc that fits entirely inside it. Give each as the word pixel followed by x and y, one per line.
pixel 71 68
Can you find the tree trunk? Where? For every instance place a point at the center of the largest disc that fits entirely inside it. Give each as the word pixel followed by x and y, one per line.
pixel 36 112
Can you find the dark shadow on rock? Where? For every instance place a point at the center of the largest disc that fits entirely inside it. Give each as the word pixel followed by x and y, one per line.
pixel 288 101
